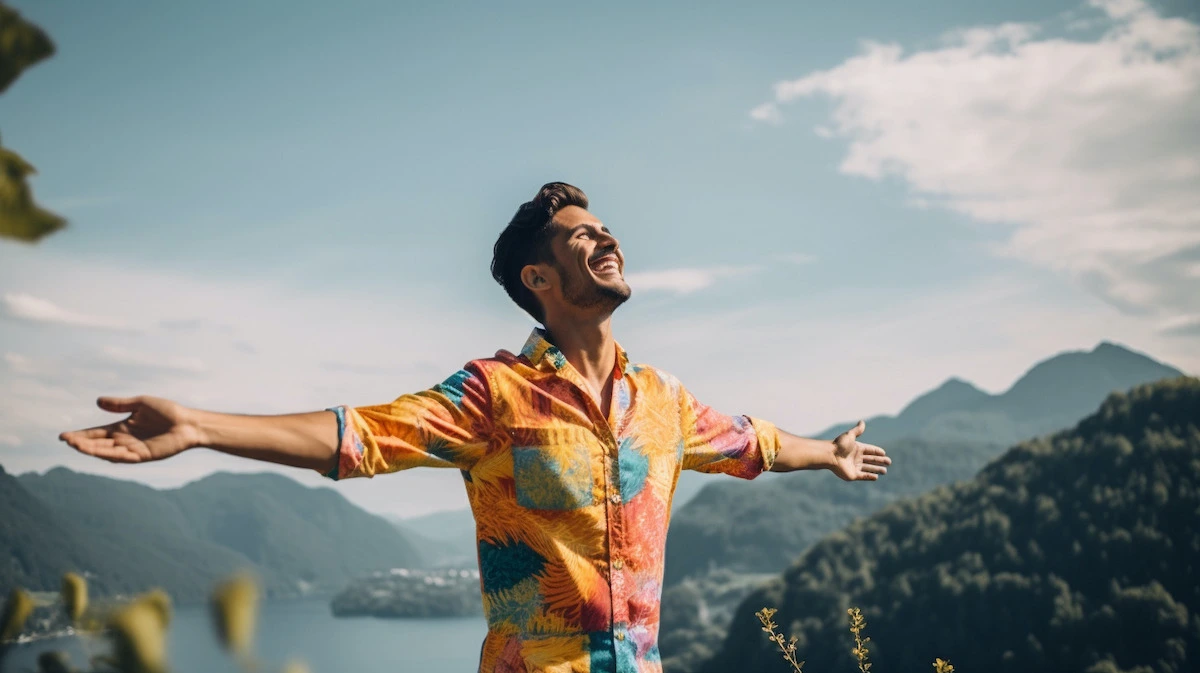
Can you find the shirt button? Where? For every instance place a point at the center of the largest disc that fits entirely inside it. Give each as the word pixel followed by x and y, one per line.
pixel 618 564
pixel 615 498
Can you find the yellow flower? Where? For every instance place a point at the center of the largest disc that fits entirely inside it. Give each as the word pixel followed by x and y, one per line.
pixel 139 638
pixel 942 666
pixel 74 596
pixel 17 609
pixel 161 602
pixel 235 608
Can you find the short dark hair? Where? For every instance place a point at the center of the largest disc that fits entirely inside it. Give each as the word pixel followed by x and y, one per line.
pixel 526 240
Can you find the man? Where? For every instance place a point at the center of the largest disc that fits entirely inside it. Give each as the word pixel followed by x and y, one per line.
pixel 569 452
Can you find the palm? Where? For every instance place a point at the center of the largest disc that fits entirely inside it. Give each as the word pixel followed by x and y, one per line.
pixel 856 461
pixel 154 430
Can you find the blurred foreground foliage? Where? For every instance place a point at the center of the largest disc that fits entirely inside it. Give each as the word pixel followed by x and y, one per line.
pixel 136 630
pixel 22 45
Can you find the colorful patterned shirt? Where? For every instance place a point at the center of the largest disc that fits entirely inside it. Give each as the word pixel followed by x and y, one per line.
pixel 571 508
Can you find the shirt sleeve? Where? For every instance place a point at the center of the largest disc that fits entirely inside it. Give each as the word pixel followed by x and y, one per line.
pixel 736 445
pixel 447 425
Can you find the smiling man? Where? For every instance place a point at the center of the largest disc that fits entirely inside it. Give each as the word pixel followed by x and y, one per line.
pixel 569 452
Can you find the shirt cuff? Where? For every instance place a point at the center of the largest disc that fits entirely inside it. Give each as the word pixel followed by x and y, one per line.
pixel 768 441
pixel 349 446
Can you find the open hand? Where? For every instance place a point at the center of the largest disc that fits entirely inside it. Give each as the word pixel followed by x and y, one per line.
pixel 155 429
pixel 855 461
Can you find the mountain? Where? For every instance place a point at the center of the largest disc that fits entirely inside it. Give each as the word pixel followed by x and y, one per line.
pixel 1078 551
pixel 1052 395
pixel 131 537
pixel 38 546
pixel 446 539
pixel 943 436
pixel 929 444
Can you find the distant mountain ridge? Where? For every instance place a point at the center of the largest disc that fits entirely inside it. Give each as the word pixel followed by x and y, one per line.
pixel 131 537
pixel 1053 394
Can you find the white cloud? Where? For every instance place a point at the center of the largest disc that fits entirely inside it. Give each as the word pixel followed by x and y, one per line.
pixel 168 363
pixel 682 281
pixel 10 440
pixel 19 364
pixel 767 112
pixel 1090 150
pixel 35 309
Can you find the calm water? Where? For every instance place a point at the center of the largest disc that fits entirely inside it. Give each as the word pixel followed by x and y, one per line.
pixel 306 630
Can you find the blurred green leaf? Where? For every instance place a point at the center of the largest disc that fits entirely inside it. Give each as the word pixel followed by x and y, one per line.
pixel 22 44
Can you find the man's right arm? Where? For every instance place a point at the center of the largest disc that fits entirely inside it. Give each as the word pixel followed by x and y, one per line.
pixel 307 440
pixel 158 428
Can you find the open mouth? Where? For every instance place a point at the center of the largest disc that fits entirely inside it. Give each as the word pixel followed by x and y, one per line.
pixel 605 264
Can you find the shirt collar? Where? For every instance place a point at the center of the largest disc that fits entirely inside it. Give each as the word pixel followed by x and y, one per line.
pixel 542 354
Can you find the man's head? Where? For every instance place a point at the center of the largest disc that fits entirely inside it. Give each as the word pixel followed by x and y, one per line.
pixel 555 257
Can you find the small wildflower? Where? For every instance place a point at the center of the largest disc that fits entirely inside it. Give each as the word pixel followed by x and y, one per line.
pixel 235 608
pixel 17 609
pixel 857 624
pixel 139 638
pixel 74 596
pixel 788 649
pixel 161 602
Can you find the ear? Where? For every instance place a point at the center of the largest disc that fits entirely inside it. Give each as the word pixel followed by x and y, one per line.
pixel 536 277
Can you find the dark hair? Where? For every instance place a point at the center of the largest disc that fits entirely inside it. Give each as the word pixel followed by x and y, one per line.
pixel 526 240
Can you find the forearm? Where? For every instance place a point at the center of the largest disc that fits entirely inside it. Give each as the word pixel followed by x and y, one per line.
pixel 307 440
pixel 801 453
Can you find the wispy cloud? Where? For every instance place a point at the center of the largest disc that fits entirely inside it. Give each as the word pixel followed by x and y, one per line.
pixel 767 112
pixel 1091 148
pixel 683 281
pixel 9 440
pixel 19 364
pixel 169 363
pixel 35 309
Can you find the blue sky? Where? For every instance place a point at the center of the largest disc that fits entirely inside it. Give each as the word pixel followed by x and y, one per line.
pixel 284 207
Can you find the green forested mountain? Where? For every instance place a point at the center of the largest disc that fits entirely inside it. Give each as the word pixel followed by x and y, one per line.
pixel 935 440
pixel 1075 552
pixel 734 528
pixel 130 537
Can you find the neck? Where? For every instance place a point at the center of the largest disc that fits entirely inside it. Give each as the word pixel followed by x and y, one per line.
pixel 587 344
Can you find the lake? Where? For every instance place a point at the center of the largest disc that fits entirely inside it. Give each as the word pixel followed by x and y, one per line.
pixel 306 630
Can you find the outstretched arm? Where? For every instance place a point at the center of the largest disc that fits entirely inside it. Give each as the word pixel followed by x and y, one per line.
pixel 157 428
pixel 848 458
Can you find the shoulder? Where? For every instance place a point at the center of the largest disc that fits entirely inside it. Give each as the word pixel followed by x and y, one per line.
pixel 649 375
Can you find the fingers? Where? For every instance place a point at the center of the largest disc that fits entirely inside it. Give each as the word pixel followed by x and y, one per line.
pixel 859 429
pixel 874 454
pixel 97 432
pixel 107 449
pixel 119 404
pixel 874 469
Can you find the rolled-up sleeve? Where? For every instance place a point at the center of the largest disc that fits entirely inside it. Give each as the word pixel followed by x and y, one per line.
pixel 736 445
pixel 447 425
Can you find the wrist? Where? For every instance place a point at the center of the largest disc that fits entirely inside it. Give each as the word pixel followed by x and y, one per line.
pixel 197 432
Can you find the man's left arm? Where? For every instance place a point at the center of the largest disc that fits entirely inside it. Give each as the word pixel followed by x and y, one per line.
pixel 848 458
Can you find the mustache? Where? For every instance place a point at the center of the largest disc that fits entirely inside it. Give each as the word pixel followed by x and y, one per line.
pixel 608 250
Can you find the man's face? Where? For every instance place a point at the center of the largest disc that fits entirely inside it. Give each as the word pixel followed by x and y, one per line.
pixel 588 262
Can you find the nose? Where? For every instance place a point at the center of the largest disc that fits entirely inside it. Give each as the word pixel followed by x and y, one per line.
pixel 607 240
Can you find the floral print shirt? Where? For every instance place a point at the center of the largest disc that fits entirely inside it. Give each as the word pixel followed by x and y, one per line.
pixel 571 506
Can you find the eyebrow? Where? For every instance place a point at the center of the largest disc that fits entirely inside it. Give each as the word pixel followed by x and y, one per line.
pixel 589 225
